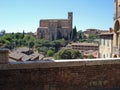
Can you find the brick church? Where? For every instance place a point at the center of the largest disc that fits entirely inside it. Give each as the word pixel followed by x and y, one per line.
pixel 53 29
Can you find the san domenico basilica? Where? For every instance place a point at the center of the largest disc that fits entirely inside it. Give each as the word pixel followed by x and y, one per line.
pixel 53 29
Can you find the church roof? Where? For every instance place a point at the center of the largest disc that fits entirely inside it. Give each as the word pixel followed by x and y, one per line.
pixel 54 20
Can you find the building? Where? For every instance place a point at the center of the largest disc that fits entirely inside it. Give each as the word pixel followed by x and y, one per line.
pixel 105 45
pixel 110 42
pixel 90 54
pixel 52 29
pixel 89 32
pixel 116 43
pixel 24 54
pixel 83 46
pixel 86 49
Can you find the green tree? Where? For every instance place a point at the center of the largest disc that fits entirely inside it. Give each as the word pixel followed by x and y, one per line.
pixel 50 53
pixel 18 35
pixel 90 56
pixel 68 54
pixel 80 34
pixel 1 44
pixel 92 37
pixel 28 38
pixel 3 32
pixel 74 34
pixel 12 40
pixel 43 50
pixel 43 42
pixel 57 44
pixel 23 34
pixel 7 37
pixel 59 35
pixel 31 44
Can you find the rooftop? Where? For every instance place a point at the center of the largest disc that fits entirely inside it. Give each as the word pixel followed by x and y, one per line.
pixel 85 44
pixel 21 54
pixel 3 50
pixel 107 33
pixel 54 20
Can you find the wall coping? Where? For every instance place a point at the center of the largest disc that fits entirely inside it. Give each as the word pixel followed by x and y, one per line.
pixel 3 50
pixel 58 63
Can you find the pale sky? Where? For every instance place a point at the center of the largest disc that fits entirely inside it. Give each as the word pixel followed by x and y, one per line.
pixel 19 15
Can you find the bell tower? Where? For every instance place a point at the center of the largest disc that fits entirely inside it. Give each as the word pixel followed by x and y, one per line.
pixel 70 18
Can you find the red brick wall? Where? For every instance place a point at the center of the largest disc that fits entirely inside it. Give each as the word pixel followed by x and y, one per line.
pixel 88 76
pixel 44 23
pixel 63 23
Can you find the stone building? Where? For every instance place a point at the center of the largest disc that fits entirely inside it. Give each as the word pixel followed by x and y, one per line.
pixel 116 43
pixel 105 45
pixel 110 43
pixel 83 46
pixel 89 32
pixel 52 29
pixel 86 49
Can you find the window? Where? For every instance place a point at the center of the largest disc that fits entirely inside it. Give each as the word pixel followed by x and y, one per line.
pixel 104 56
pixel 103 41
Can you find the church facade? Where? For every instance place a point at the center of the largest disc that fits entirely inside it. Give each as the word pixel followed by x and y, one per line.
pixel 53 29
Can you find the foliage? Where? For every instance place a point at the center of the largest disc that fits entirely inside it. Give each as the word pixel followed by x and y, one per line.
pixel 28 38
pixel 68 54
pixel 53 45
pixel 43 50
pixel 12 40
pixel 31 44
pixel 57 44
pixel 81 37
pixel 59 35
pixel 92 37
pixel 74 34
pixel 90 56
pixel 50 53
pixel 79 34
pixel 42 43
pixel 2 32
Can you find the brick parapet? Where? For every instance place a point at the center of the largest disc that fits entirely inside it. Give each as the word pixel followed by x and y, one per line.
pixel 99 74
pixel 57 63
pixel 4 56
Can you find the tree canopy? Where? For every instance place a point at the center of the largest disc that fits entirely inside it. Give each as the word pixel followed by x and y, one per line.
pixel 74 34
pixel 68 54
pixel 12 40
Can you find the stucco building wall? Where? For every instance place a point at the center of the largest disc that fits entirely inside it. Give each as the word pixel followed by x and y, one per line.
pixel 106 45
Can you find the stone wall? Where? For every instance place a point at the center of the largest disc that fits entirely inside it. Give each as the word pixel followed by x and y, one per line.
pixel 61 75
pixel 44 23
pixel 3 56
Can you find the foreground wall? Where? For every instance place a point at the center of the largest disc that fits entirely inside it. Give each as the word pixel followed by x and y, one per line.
pixel 62 75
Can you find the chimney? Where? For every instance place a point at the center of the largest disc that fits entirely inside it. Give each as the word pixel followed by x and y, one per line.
pixel 110 30
pixel 4 56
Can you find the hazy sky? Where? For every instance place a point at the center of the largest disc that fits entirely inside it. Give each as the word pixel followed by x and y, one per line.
pixel 19 15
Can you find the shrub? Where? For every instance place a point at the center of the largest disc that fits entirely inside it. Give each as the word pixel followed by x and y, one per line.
pixel 68 54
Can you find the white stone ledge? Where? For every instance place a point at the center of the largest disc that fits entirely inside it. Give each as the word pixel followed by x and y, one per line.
pixel 58 63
